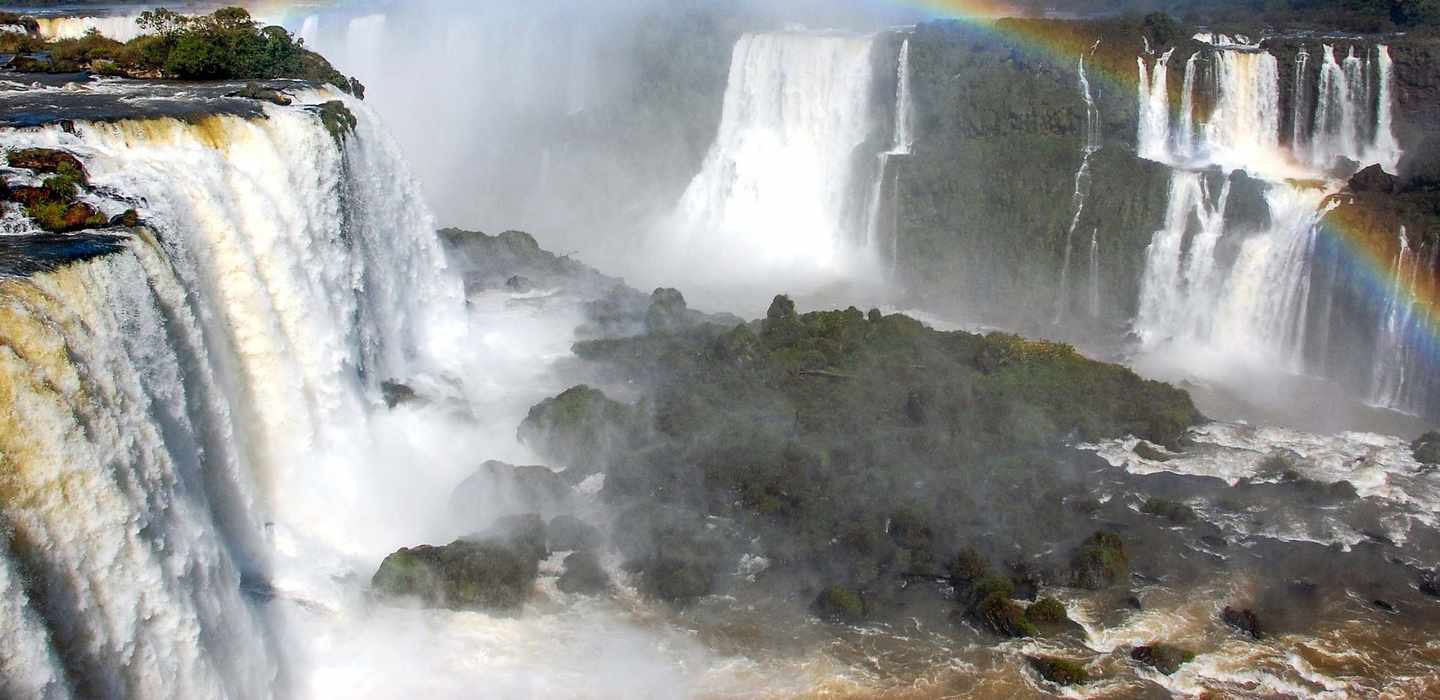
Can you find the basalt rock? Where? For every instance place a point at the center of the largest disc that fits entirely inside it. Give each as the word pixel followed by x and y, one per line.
pixel 463 575
pixel 583 575
pixel 48 160
pixel 1059 671
pixel 1243 620
pixel 1165 658
pixel 1175 512
pixel 1426 448
pixel 499 489
pixel 396 394
pixel 579 428
pixel 567 532
pixel 1373 179
pixel 1099 562
pixel 256 91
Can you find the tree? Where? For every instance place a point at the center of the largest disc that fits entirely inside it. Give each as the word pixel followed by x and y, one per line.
pixel 163 23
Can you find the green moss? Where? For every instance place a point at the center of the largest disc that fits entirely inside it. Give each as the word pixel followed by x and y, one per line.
pixel 339 121
pixel 1060 671
pixel 968 567
pixel 1003 616
pixel 1165 658
pixel 1099 562
pixel 1175 512
pixel 839 604
pixel 1046 611
pixel 461 575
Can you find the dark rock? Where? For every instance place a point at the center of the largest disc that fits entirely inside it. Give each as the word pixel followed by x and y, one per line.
pixel 579 428
pixel 1059 671
pixel 1133 601
pixel 1385 605
pixel 520 284
pixel 997 613
pixel 255 91
pixel 1247 208
pixel 337 119
pixel 677 556
pixel 1344 167
pixel 1343 490
pixel 499 489
pixel 396 393
pixel 1373 179
pixel 1164 658
pixel 583 575
pixel 1243 620
pixel 1099 562
pixel 839 604
pixel 1426 448
pixel 1046 610
pixel 463 575
pixel 1214 541
pixel 667 312
pixel 567 533
pixel 1147 451
pixel 1280 462
pixel 128 219
pixel 48 160
pixel 78 216
pixel 524 534
pixel 1420 167
pixel 1430 583
pixel 1175 512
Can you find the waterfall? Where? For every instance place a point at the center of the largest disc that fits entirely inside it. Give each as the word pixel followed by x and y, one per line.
pixel 193 407
pixel 117 27
pixel 1354 105
pixel 1299 103
pixel 1388 384
pixel 902 141
pixel 1082 185
pixel 1244 127
pixel 777 185
pixel 1095 272
pixel 1185 145
pixel 1154 139
pixel 1386 147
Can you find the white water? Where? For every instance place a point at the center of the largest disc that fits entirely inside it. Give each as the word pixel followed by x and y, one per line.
pixel 1082 189
pixel 1214 299
pixel 117 27
pixel 1154 139
pixel 195 406
pixel 777 190
pixel 901 144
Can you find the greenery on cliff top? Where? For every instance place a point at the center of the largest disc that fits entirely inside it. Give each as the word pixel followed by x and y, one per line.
pixel 855 446
pixel 224 45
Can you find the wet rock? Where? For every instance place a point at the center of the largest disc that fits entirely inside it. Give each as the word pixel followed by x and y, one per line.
pixel 583 575
pixel 579 428
pixel 525 534
pixel 1247 207
pixel 1243 620
pixel 1214 541
pixel 1133 601
pixel 569 533
pixel 1147 451
pixel 128 219
pixel 498 489
pixel 1373 179
pixel 1280 462
pixel 1004 617
pixel 1047 610
pixel 519 284
pixel 77 216
pixel 396 393
pixel 1175 512
pixel 1343 490
pixel 48 160
pixel 337 119
pixel 463 575
pixel 1059 671
pixel 256 91
pixel 1165 658
pixel 1426 448
pixel 677 556
pixel 1430 583
pixel 1385 605
pixel 1099 562
pixel 667 312
pixel 839 604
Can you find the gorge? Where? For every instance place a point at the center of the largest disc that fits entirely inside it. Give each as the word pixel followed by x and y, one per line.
pixel 264 387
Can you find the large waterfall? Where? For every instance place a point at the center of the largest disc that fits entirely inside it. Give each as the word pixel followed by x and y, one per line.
pixel 187 416
pixel 1252 287
pixel 779 185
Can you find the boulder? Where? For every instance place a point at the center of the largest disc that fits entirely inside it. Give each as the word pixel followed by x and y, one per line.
pixel 498 489
pixel 1174 511
pixel 583 575
pixel 525 534
pixel 1426 448
pixel 677 557
pixel 997 613
pixel 839 604
pixel 463 575
pixel 1243 620
pixel 1430 583
pixel 519 284
pixel 1373 179
pixel 1099 562
pixel 256 91
pixel 48 160
pixel 569 533
pixel 667 312
pixel 1279 463
pixel 1247 208
pixel 1165 658
pixel 396 393
pixel 580 428
pixel 1147 451
pixel 1059 671
pixel 128 219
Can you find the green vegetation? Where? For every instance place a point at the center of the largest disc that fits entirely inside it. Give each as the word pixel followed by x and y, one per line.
pixel 1175 512
pixel 225 45
pixel 463 575
pixel 1100 562
pixel 1165 658
pixel 1060 671
pixel 839 604
pixel 1047 611
pixel 52 205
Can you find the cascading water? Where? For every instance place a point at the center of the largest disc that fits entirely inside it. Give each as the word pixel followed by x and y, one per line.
pixel 193 408
pixel 1154 140
pixel 1082 189
pixel 777 186
pixel 901 144
pixel 1238 289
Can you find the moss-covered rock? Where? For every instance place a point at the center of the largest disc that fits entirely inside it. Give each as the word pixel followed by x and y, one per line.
pixel 567 533
pixel 338 120
pixel 1165 658
pixel 1059 671
pixel 1047 611
pixel 49 160
pixel 839 604
pixel 463 575
pixel 997 613
pixel 579 428
pixel 1244 620
pixel 1174 511
pixel 583 575
pixel 1147 451
pixel 1099 562
pixel 676 556
pixel 1426 448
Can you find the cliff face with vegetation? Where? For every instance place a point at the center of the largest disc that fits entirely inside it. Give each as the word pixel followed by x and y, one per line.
pixel 986 203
